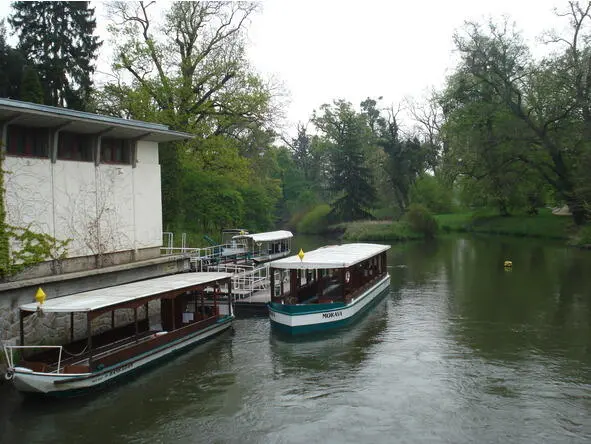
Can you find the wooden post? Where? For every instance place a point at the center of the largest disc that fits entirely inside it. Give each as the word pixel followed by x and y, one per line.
pixel 112 319
pixel 72 326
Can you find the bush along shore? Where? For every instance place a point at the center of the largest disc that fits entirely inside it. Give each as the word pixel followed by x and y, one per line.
pixel 420 224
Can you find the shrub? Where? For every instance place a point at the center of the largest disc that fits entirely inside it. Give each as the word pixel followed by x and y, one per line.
pixel 421 220
pixel 316 221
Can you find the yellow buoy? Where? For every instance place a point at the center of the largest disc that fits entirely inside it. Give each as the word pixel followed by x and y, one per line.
pixel 301 254
pixel 508 264
pixel 40 296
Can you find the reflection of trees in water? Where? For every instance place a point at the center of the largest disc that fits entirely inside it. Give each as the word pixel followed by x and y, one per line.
pixel 542 305
pixel 191 384
pixel 339 351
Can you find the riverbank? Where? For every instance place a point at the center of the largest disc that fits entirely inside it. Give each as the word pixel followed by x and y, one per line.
pixel 544 225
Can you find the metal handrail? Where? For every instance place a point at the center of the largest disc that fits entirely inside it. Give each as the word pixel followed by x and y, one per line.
pixel 10 358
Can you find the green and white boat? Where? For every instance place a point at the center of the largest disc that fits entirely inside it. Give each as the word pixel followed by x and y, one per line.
pixel 326 288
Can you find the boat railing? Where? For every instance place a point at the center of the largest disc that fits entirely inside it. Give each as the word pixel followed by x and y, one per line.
pixel 9 353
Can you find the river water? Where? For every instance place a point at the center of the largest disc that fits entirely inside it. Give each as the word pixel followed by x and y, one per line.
pixel 458 351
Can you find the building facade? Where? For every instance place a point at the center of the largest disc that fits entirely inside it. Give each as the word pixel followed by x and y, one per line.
pixel 90 179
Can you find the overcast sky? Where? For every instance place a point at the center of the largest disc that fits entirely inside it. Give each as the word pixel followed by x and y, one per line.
pixel 324 50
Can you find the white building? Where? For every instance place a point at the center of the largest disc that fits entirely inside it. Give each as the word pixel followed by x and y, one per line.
pixel 89 178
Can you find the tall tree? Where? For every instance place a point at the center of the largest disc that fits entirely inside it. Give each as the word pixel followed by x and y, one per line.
pixel 186 67
pixel 350 176
pixel 537 95
pixel 11 67
pixel 58 37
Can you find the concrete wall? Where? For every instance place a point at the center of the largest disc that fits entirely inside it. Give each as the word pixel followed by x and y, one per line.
pixel 102 209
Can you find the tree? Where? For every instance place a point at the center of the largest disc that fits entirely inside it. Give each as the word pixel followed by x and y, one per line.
pixel 31 90
pixel 11 67
pixel 497 58
pixel 350 178
pixel 58 38
pixel 194 77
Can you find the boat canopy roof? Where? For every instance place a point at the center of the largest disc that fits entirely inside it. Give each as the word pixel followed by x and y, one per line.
pixel 332 256
pixel 268 236
pixel 122 294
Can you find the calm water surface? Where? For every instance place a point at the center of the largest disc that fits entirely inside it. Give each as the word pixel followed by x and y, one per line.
pixel 459 351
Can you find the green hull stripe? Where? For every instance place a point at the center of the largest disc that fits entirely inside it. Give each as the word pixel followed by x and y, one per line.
pixel 306 329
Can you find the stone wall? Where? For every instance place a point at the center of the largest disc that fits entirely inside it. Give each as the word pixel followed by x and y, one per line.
pixel 54 328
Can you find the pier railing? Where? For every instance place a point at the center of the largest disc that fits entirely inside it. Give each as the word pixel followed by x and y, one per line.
pixel 246 279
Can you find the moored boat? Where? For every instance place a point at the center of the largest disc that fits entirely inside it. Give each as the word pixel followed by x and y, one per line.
pixel 326 288
pixel 77 366
pixel 259 247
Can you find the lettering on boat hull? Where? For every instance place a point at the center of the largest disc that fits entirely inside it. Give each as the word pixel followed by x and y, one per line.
pixel 332 314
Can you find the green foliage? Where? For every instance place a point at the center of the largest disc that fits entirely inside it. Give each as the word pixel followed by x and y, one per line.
pixel 379 231
pixel 28 248
pixel 420 220
pixel 316 221
pixel 12 62
pixel 431 193
pixel 544 225
pixel 350 177
pixel 582 238
pixel 31 90
pixel 58 38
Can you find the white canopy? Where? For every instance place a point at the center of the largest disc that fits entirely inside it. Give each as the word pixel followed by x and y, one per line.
pixel 332 256
pixel 268 236
pixel 120 294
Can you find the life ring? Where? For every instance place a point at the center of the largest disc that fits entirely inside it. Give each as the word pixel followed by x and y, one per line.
pixel 9 375
pixel 347 277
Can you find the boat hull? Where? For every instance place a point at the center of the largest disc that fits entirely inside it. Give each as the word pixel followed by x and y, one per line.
pixel 52 384
pixel 326 318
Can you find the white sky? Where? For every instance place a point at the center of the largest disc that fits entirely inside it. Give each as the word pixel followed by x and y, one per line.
pixel 324 50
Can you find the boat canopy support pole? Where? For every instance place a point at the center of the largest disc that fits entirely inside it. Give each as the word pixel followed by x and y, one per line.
pixel 272 282
pixel 230 296
pixel 22 327
pixel 135 322
pixel 71 326
pixel 89 332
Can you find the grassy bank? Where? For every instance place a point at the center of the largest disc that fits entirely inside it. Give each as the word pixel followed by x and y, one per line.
pixel 543 225
pixel 377 231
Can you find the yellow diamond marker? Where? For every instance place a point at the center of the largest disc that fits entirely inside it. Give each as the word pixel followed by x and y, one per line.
pixel 40 296
pixel 301 254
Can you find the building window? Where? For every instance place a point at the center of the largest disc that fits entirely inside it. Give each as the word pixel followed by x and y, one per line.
pixel 72 146
pixel 115 151
pixel 26 141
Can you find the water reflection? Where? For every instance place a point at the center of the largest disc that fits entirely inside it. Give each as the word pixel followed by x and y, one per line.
pixel 191 385
pixel 459 351
pixel 339 351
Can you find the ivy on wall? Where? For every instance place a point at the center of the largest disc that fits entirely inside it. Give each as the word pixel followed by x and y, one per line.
pixel 28 247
